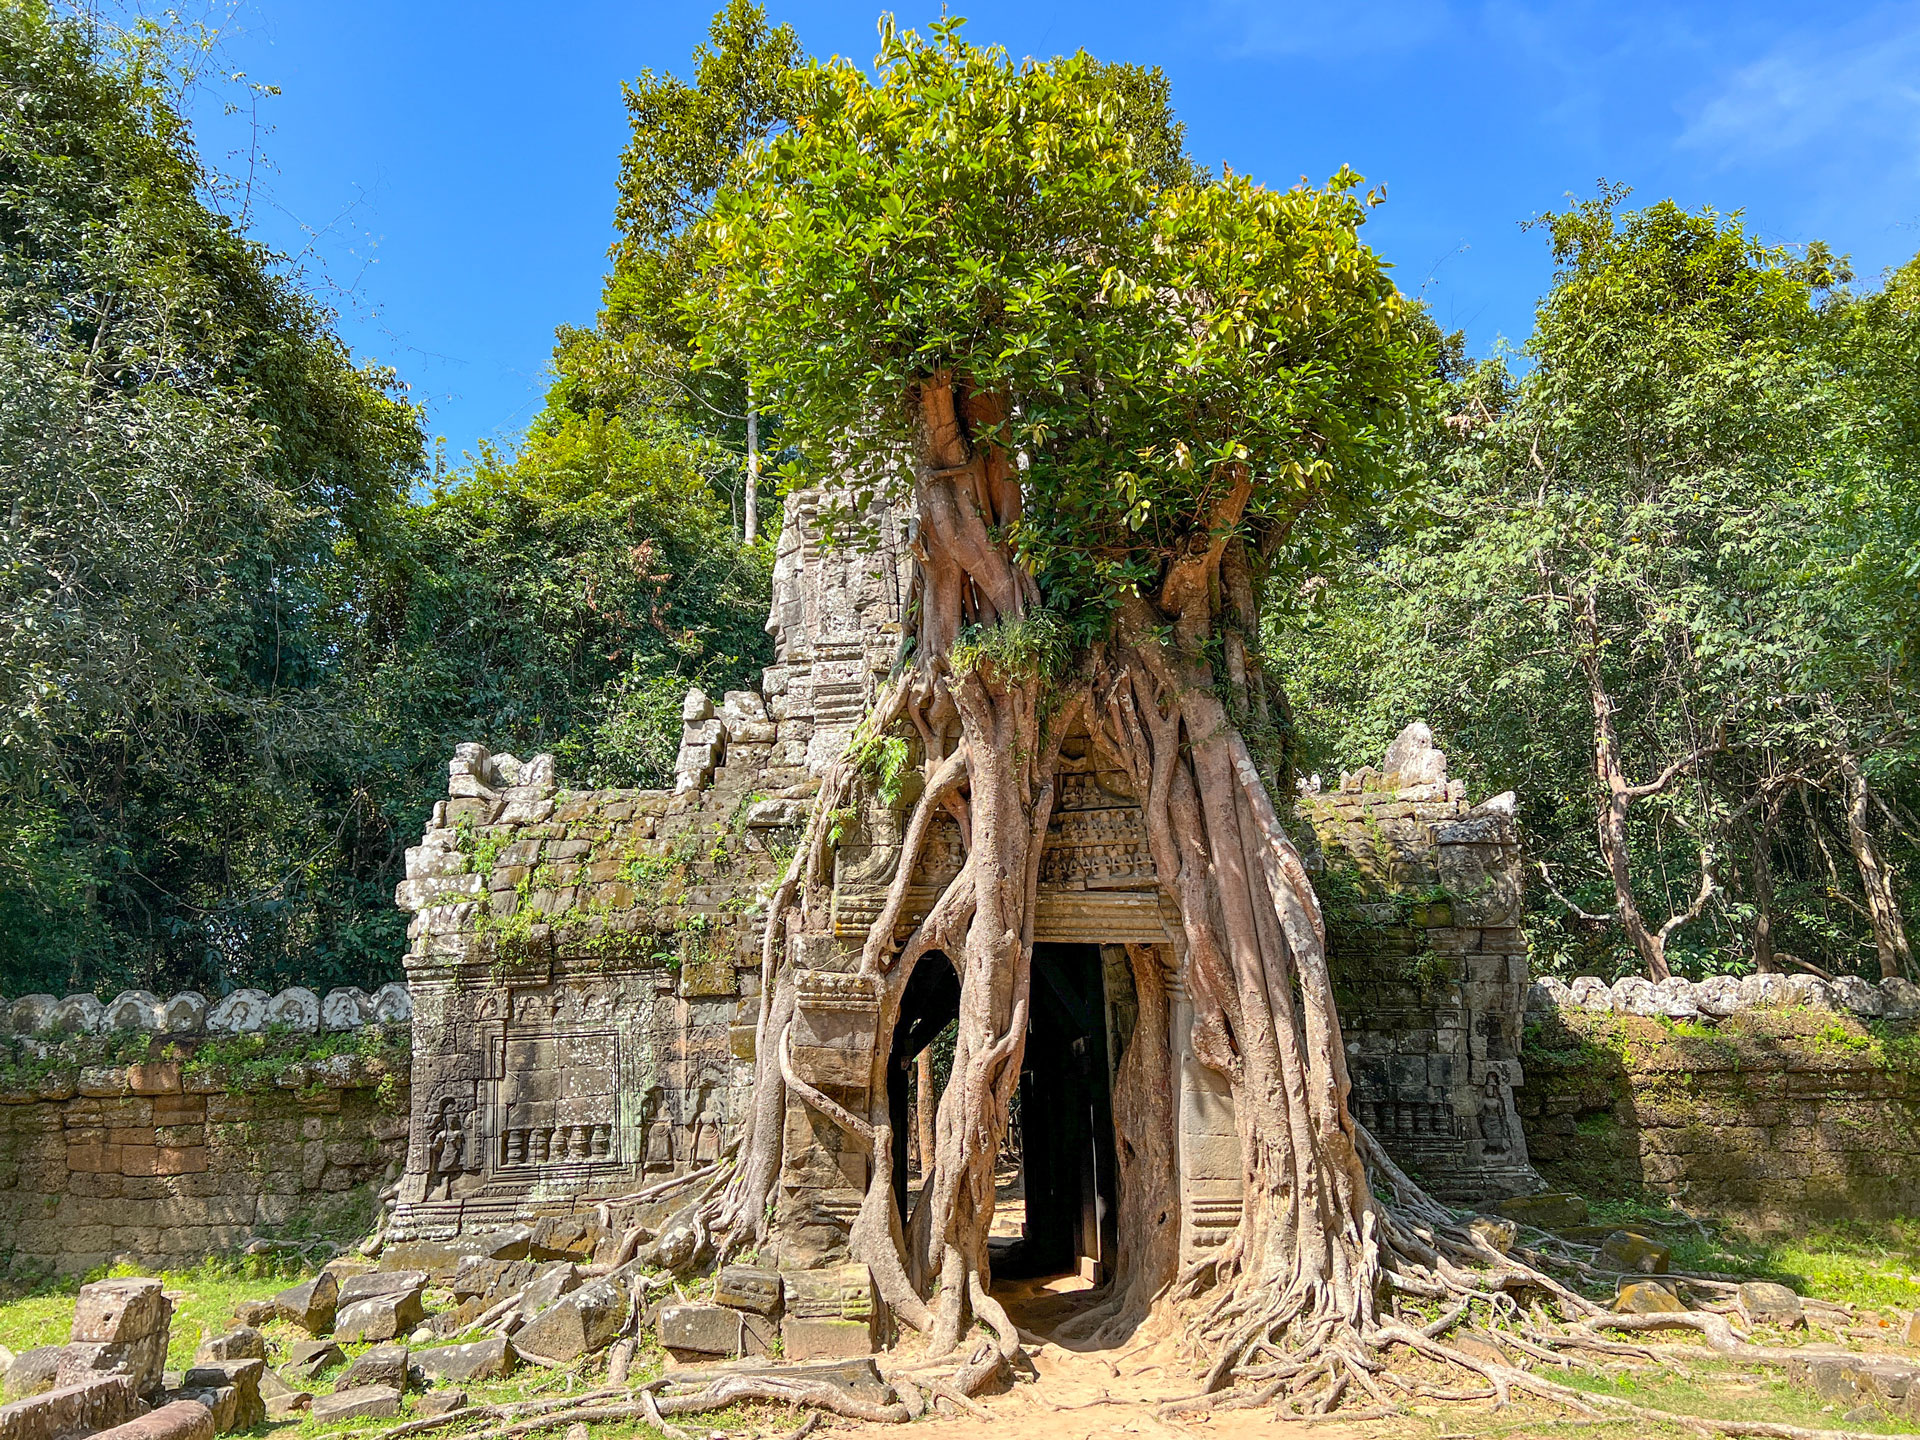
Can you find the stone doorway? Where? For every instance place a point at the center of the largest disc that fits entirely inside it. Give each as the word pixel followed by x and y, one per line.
pixel 1066 1161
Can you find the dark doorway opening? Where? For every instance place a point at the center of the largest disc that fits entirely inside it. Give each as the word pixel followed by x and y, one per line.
pixel 1061 1139
pixel 1066 1123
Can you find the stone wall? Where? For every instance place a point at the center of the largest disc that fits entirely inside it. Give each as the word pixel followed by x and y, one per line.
pixel 1422 896
pixel 1783 1110
pixel 161 1161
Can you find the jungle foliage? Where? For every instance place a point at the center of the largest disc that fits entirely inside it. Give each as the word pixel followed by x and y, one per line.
pixel 239 631
pixel 1691 508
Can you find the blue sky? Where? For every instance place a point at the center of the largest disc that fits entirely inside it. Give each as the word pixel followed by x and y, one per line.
pixel 446 170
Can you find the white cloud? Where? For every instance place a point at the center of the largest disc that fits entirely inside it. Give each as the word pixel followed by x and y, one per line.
pixel 1329 29
pixel 1827 91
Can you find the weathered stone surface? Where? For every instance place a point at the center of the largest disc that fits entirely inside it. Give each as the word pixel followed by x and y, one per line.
pixel 296 1008
pixel 587 1320
pixel 372 1284
pixel 311 1304
pixel 688 1331
pixel 380 1365
pixel 859 1376
pixel 121 1311
pixel 1550 1210
pixel 379 1317
pixel 1644 1297
pixel 441 1260
pixel 231 1390
pixel 176 1420
pixel 481 1360
pixel 307 1358
pixel 372 1402
pixel 32 1372
pixel 545 1285
pixel 246 1343
pixel 95 1404
pixel 240 1013
pixel 748 1287
pixel 1625 1250
pixel 254 1313
pixel 119 1328
pixel 440 1402
pixel 830 1313
pixel 1764 1303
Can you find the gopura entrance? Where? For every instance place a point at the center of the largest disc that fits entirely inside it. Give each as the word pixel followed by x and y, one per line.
pixel 586 966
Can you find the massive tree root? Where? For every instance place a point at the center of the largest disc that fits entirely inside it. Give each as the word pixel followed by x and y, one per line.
pixel 1340 1262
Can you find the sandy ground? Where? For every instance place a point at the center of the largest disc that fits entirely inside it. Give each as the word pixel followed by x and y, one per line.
pixel 1082 1395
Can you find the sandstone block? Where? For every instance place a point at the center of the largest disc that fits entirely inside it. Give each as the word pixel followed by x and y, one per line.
pixel 441 1260
pixel 380 1317
pixel 231 1390
pixel 700 1331
pixel 176 1420
pixel 307 1358
pixel 1765 1303
pixel 133 1010
pixel 381 1365
pixel 312 1304
pixel 242 1012
pixel 1646 1297
pixel 483 1360
pixel 95 1404
pixel 589 1319
pixel 372 1402
pixel 1636 1253
pixel 441 1402
pixel 32 1372
pixel 296 1008
pixel 825 1339
pixel 246 1343
pixel 374 1284
pixel 347 1008
pixel 1549 1211
pixel 747 1287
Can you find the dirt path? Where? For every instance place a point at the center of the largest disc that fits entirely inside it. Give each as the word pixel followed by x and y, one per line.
pixel 1087 1394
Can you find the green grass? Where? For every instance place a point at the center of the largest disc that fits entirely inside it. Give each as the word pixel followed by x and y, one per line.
pixel 1721 1391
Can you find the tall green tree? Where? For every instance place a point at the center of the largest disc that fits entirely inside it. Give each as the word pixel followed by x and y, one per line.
pixel 1633 587
pixel 1113 407
pixel 183 444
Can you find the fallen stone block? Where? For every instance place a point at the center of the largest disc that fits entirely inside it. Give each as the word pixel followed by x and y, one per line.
pixel 482 1360
pixel 1625 1250
pixel 748 1287
pixel 441 1259
pixel 830 1313
pixel 1548 1211
pixel 254 1313
pixel 308 1358
pixel 859 1376
pixel 700 1332
pixel 119 1328
pixel 287 1406
pixel 231 1390
pixel 382 1365
pixel 548 1283
pixel 1847 1379
pixel 441 1402
pixel 371 1402
pixel 451 1322
pixel 312 1304
pixel 1765 1303
pixel 589 1319
pixel 246 1343
pixel 1647 1297
pixel 378 1284
pixel 32 1372
pixel 97 1403
pixel 176 1420
pixel 119 1312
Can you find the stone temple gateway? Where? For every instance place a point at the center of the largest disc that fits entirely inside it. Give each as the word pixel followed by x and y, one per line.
pixel 585 966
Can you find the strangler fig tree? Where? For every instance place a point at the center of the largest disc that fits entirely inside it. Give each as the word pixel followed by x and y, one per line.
pixel 1116 403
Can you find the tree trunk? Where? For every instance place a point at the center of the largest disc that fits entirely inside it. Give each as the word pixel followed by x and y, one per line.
pixel 924 1101
pixel 1617 797
pixel 1883 903
pixel 1762 841
pixel 1315 1251
pixel 752 506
